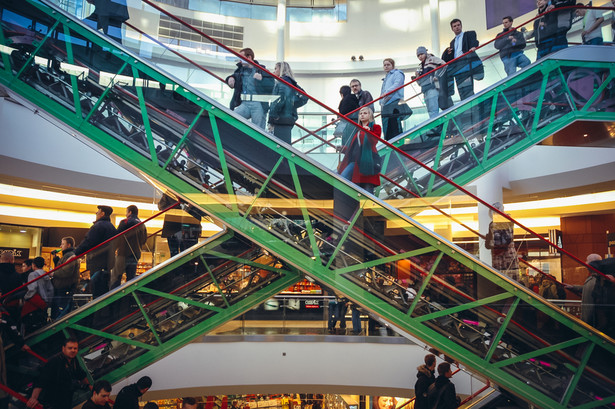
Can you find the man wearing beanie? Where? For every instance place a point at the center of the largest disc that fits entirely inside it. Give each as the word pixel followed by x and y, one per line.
pixel 129 396
pixel 99 261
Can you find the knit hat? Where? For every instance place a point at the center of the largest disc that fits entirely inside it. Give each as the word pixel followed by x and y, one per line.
pixel 421 50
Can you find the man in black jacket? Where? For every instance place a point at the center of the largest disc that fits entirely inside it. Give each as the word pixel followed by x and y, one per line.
pixel 511 43
pixel 99 261
pixel 65 279
pixel 463 70
pixel 128 246
pixel 443 395
pixel 58 379
pixel 252 89
pixel 129 396
pixel 425 377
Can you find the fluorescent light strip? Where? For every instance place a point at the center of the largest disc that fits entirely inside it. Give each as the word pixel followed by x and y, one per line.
pixel 17 191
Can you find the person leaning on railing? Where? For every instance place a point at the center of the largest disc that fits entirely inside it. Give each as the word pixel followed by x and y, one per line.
pixel 252 89
pixel 429 83
pixel 99 261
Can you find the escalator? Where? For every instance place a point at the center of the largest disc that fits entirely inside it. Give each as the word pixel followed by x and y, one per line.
pixel 482 132
pixel 288 214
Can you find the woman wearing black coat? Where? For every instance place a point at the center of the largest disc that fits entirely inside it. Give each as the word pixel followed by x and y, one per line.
pixel 283 111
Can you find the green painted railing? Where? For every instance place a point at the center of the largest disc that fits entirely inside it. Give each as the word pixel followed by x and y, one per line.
pixel 502 121
pixel 299 212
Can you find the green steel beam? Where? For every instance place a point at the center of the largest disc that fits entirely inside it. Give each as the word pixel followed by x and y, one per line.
pixel 309 261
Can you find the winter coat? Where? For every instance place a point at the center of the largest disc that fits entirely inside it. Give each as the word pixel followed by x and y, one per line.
pixel 262 87
pixel 131 242
pixel 429 81
pixel 360 141
pixel 282 110
pixel 101 258
pixel 67 276
pixel 394 79
pixel 425 377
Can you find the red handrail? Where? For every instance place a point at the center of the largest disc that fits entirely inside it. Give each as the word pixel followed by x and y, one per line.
pixel 18 396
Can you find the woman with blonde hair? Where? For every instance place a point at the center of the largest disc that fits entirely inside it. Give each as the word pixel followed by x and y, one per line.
pixel 283 111
pixel 361 162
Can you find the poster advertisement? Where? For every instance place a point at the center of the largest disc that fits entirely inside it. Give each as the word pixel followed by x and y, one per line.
pixel 497 9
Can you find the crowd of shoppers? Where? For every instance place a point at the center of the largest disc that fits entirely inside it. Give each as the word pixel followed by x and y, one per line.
pixel 36 296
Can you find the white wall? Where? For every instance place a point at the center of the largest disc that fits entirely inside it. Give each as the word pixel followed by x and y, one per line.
pixel 349 367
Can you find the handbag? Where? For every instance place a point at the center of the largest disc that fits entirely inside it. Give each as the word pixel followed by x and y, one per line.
pixel 401 111
pixel 33 304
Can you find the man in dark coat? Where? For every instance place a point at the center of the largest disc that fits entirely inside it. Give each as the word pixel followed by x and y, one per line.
pixel 425 377
pixel 9 281
pixel 128 398
pixel 101 260
pixel 511 43
pixel 128 247
pixel 58 379
pixel 463 70
pixel 65 279
pixel 443 395
pixel 9 278
pixel 252 89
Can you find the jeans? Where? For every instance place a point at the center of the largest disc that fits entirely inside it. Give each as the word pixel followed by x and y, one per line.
pixel 431 100
pixel 594 41
pixel 465 85
pixel 62 302
pixel 514 60
pixel 252 110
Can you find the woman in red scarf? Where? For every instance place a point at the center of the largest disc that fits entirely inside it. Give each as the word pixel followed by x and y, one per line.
pixel 361 163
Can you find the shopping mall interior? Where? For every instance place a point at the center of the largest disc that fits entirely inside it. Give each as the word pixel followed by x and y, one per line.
pixel 267 278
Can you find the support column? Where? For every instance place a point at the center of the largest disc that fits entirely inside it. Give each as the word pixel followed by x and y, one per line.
pixel 434 14
pixel 281 26
pixel 489 188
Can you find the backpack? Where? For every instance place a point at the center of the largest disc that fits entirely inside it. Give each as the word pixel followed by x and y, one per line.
pixel 300 99
pixel 433 396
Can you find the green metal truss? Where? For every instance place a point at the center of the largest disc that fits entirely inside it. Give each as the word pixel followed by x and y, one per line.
pixel 168 307
pixel 507 118
pixel 299 212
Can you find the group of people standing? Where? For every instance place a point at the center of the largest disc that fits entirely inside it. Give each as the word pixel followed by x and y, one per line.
pixel 431 392
pixel 44 295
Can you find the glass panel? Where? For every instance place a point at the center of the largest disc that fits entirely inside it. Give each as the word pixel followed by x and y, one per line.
pixel 507 129
pixel 556 101
pixel 596 382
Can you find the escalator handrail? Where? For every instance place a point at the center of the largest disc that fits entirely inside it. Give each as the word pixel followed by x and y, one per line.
pixel 18 396
pixel 78 256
